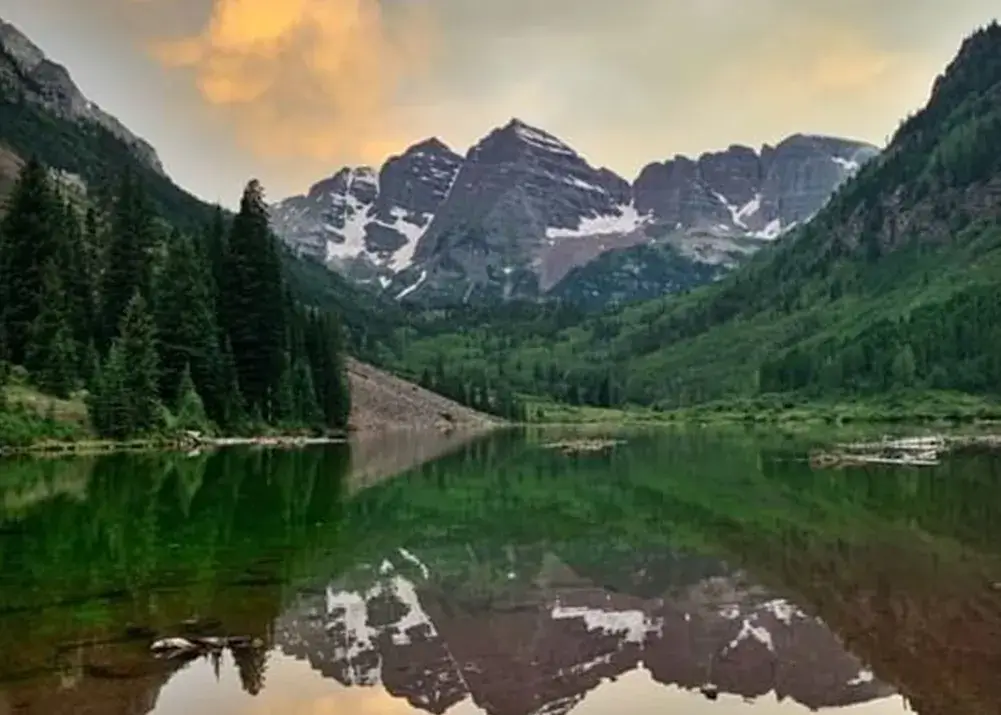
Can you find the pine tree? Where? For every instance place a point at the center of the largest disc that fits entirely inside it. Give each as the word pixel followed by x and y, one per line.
pixel 284 407
pixel 215 252
pixel 125 401
pixel 129 268
pixel 307 409
pixel 234 408
pixel 186 326
pixel 253 301
pixel 189 409
pixel 325 347
pixel 51 359
pixel 138 339
pixel 78 276
pixel 31 241
pixel 90 365
pixel 109 404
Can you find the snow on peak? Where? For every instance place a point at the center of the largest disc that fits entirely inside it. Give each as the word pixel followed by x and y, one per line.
pixel 539 139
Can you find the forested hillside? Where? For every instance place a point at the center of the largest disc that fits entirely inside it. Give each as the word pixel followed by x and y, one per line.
pixel 163 330
pixel 895 284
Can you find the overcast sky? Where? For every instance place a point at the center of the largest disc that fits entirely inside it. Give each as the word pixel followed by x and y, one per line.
pixel 290 90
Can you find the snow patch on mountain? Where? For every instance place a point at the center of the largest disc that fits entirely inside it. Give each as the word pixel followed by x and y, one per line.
pixel 414 286
pixel 626 220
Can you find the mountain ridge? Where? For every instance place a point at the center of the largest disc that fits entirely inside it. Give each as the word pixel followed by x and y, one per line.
pixel 26 67
pixel 522 209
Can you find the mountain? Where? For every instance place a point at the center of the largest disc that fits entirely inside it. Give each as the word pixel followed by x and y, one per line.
pixel 892 286
pixel 522 210
pixel 34 78
pixel 367 223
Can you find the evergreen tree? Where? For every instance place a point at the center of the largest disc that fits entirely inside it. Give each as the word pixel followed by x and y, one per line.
pixel 138 339
pixel 325 347
pixel 90 365
pixel 79 278
pixel 30 242
pixel 51 359
pixel 125 402
pixel 307 409
pixel 129 268
pixel 109 403
pixel 234 409
pixel 283 409
pixel 215 252
pixel 253 301
pixel 189 409
pixel 186 327
pixel 903 368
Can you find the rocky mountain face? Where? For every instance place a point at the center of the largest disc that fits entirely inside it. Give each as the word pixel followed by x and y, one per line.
pixel 367 223
pixel 522 210
pixel 539 642
pixel 25 70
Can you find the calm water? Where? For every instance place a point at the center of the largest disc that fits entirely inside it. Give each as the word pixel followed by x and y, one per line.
pixel 501 577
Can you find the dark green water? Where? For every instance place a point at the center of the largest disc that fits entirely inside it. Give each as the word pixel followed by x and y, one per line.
pixel 502 577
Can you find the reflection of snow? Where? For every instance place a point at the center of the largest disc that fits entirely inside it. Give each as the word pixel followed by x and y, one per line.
pixel 633 624
pixel 747 630
pixel 783 610
pixel 864 676
pixel 349 612
pixel 415 561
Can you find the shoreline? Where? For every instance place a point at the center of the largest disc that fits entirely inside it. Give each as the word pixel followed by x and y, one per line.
pixel 192 443
pixel 90 447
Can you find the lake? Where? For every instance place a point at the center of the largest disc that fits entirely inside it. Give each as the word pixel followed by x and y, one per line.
pixel 495 575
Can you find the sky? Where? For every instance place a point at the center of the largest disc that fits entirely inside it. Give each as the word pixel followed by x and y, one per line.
pixel 288 91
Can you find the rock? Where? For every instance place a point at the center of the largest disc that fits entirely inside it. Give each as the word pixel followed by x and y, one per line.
pixel 365 223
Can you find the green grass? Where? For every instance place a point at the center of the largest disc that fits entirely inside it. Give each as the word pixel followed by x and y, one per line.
pixel 900 407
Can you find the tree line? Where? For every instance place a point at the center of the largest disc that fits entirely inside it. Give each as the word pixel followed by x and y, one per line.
pixel 162 329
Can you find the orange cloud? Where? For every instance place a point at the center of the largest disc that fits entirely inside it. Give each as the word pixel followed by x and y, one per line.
pixel 309 79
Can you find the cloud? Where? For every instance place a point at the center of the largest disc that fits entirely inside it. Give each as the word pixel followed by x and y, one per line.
pixel 305 79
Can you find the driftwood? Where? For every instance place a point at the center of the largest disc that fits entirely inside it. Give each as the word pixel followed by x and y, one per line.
pixel 178 647
pixel 906 451
pixel 581 446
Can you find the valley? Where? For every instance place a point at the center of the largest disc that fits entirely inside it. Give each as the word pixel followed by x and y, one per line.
pixel 499 430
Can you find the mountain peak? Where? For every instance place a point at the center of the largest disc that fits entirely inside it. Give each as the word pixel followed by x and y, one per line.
pixel 431 144
pixel 533 137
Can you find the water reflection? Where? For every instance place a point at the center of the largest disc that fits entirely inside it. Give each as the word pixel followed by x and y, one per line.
pixel 554 636
pixel 501 578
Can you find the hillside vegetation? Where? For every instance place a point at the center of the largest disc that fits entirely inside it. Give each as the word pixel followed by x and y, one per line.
pixel 894 286
pixel 161 330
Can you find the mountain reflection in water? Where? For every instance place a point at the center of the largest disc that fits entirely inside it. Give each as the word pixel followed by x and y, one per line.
pixel 501 577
